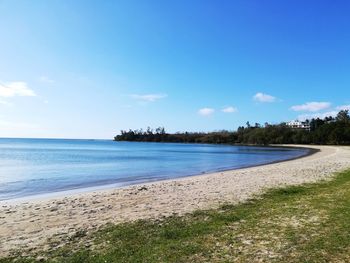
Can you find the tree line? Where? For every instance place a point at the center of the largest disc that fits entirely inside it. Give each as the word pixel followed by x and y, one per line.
pixel 329 130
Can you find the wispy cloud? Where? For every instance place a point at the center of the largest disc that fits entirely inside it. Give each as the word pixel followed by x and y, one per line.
pixel 13 89
pixel 317 115
pixel 262 97
pixel 311 106
pixel 343 107
pixel 206 111
pixel 148 97
pixel 46 79
pixel 229 109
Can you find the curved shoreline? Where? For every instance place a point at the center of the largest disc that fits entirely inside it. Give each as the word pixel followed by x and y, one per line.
pixel 109 186
pixel 28 225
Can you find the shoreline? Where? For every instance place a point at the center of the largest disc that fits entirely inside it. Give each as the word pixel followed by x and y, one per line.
pixel 29 225
pixel 89 189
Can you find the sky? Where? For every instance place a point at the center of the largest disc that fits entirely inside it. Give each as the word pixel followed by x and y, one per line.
pixel 87 69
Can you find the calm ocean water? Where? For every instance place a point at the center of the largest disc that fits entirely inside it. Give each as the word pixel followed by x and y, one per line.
pixel 31 167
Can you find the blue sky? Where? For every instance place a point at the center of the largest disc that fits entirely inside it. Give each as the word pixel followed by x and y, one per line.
pixel 86 69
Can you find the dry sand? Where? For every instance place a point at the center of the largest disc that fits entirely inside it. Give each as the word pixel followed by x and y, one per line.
pixel 28 225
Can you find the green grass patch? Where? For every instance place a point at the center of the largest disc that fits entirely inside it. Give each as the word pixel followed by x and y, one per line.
pixel 309 223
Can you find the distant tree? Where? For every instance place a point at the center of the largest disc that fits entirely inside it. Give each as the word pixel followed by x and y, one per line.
pixel 322 131
pixel 329 119
pixel 316 123
pixel 240 129
pixel 149 131
pixel 343 116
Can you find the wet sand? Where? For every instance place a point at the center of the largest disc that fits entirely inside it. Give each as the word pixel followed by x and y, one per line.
pixel 28 225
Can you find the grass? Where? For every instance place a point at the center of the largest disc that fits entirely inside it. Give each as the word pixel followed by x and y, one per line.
pixel 309 223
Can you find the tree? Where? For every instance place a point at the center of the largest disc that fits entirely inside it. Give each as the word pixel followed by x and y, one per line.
pixel 323 131
pixel 343 116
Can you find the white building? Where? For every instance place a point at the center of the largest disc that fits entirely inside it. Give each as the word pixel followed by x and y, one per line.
pixel 298 125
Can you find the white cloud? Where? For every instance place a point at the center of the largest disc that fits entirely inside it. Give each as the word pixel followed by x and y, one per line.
pixel 323 115
pixel 343 107
pixel 261 97
pixel 13 89
pixel 46 79
pixel 229 109
pixel 148 97
pixel 311 106
pixel 206 111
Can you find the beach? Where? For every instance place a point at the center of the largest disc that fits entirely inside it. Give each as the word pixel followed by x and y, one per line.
pixel 29 224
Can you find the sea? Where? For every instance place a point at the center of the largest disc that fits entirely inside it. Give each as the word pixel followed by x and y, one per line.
pixel 31 168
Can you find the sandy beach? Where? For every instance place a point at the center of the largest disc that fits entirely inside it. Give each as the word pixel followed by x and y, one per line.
pixel 28 225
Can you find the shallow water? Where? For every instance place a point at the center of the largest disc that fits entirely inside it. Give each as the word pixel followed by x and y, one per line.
pixel 31 167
